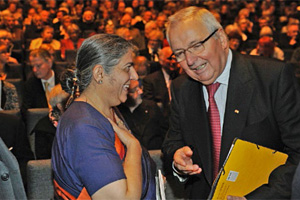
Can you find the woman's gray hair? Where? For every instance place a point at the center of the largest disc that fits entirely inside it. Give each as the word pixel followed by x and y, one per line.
pixel 101 49
pixel 196 14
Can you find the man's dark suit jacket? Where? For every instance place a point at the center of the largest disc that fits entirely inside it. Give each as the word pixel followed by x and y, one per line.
pixel 155 89
pixel 34 94
pixel 146 123
pixel 267 98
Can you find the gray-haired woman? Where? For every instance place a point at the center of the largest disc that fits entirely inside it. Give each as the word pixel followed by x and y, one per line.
pixel 94 154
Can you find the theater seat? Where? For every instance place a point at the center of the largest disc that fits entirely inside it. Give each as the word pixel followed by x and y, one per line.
pixel 40 185
pixel 33 115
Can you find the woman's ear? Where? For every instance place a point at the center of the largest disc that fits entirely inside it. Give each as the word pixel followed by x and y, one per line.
pixel 98 73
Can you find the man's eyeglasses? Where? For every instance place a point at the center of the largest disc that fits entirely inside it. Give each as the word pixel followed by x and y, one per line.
pixel 196 49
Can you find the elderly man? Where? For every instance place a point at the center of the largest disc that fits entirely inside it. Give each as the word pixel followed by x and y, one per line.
pixel 227 95
pixel 38 87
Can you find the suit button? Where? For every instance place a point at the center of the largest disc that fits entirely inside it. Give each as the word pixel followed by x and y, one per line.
pixel 5 177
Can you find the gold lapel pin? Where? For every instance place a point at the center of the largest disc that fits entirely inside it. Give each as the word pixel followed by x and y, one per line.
pixel 236 111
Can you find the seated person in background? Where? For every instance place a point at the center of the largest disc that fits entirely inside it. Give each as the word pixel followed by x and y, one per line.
pixel 290 39
pixel 8 92
pixel 37 87
pixel 142 67
pixel 35 29
pixel 266 47
pixel 12 27
pixel 62 32
pixel 6 64
pixel 13 134
pixel 6 39
pixel 157 85
pixel 235 41
pixel 46 37
pixel 46 127
pixel 154 44
pixel 109 28
pixel 125 33
pixel 144 118
pixel 74 41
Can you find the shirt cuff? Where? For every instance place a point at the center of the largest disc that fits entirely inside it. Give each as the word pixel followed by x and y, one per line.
pixel 176 173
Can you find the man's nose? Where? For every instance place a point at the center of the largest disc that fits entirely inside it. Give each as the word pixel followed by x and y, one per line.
pixel 190 58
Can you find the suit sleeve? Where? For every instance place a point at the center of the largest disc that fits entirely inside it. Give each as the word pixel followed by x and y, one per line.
pixel 173 139
pixel 286 108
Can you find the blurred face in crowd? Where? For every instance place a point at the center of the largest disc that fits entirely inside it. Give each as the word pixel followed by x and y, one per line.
pixel 234 43
pixel 45 15
pixel 4 54
pixel 88 16
pixel 121 7
pixel 160 21
pixel 134 94
pixel 67 22
pixel 293 31
pixel 41 67
pixel 166 61
pixel 37 20
pixel 141 66
pixel 59 15
pixel 5 38
pixel 126 21
pixel 206 65
pixel 47 35
pixel 243 24
pixel 149 28
pixel 74 35
pixel 31 12
pixel 147 16
pixel 9 22
pixel 154 42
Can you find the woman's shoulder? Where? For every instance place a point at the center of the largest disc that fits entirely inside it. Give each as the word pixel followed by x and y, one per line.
pixel 82 116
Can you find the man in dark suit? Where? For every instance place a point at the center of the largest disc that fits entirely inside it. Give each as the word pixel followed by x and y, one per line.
pixel 157 84
pixel 38 86
pixel 256 99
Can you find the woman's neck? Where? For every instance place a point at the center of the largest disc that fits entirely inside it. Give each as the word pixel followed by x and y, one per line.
pixel 95 101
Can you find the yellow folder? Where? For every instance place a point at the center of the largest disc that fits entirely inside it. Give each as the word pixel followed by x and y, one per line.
pixel 246 167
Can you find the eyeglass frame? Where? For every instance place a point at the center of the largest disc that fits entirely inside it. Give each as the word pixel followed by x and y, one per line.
pixel 173 56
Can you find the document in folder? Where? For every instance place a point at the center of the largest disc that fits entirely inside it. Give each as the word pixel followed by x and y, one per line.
pixel 246 167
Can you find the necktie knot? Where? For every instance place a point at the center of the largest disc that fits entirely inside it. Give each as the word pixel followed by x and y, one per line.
pixel 46 84
pixel 211 89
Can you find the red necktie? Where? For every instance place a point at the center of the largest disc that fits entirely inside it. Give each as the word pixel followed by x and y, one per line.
pixel 214 119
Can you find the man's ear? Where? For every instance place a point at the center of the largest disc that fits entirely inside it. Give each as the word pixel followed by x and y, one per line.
pixel 98 73
pixel 223 39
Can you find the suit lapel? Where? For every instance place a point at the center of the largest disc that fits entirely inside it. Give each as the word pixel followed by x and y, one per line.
pixel 240 90
pixel 197 124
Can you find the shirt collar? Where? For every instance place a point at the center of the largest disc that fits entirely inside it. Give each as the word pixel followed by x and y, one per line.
pixel 51 80
pixel 224 77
